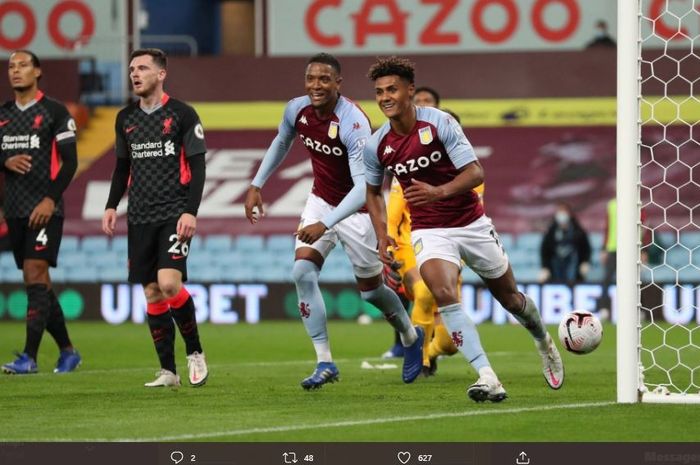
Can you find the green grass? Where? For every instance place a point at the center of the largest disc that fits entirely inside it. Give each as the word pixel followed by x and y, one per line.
pixel 253 392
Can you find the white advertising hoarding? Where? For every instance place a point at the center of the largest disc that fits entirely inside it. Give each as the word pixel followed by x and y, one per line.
pixel 366 27
pixel 65 28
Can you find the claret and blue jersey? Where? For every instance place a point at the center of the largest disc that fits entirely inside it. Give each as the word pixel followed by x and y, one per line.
pixel 434 152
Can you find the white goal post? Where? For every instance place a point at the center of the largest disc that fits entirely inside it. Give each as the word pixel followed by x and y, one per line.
pixel 658 171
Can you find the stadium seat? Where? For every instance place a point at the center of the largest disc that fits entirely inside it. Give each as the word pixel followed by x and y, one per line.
pixel 83 273
pixel 7 260
pixel 70 243
pixel 469 277
pixel 526 274
pixel 689 274
pixel 507 241
pixel 94 244
pixel 218 243
pixel 119 244
pixel 664 274
pixel 529 241
pixel 690 239
pixel 58 275
pixel 12 275
pixel 677 257
pixel 595 274
pixel 281 243
pixel 106 259
pixel 115 274
pixel 248 243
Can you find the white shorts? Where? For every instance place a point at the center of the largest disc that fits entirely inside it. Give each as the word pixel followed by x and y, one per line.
pixel 355 233
pixel 477 244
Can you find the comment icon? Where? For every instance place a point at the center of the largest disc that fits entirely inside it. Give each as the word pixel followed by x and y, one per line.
pixel 176 456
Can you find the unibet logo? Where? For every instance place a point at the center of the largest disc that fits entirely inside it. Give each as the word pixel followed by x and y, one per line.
pixel 321 148
pixel 169 148
pixel 414 164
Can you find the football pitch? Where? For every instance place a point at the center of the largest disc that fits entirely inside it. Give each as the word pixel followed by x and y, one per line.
pixel 253 392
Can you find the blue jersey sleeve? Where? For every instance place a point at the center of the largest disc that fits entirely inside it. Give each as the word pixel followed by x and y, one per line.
pixel 374 171
pixel 458 147
pixel 279 148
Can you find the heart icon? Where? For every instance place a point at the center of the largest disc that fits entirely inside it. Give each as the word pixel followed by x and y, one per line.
pixel 404 457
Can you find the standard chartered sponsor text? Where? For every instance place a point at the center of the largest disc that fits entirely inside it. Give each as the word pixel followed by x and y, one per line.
pixel 146 150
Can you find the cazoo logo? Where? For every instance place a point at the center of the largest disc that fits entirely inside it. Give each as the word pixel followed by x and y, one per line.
pixel 321 148
pixel 414 164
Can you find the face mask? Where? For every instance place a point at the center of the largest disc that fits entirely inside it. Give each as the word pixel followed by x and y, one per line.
pixel 562 218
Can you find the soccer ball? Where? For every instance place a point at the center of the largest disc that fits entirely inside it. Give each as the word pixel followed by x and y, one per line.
pixel 580 332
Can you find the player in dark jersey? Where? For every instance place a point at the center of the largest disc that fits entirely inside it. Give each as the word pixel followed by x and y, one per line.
pixel 39 157
pixel 428 153
pixel 160 157
pixel 334 131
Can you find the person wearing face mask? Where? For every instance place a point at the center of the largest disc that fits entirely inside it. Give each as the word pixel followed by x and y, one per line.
pixel 602 36
pixel 565 251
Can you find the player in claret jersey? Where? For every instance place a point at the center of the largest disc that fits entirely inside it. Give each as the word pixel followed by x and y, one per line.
pixel 160 157
pixel 334 131
pixel 427 151
pixel 39 157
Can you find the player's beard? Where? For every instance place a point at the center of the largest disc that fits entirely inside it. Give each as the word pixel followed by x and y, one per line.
pixel 21 89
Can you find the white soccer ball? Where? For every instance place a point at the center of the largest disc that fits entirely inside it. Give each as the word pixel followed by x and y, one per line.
pixel 580 332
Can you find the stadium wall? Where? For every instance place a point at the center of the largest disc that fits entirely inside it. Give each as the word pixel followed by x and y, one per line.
pixel 589 73
pixel 60 80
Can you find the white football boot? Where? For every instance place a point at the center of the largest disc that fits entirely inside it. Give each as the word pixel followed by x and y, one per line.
pixel 165 378
pixel 487 387
pixel 197 365
pixel 552 365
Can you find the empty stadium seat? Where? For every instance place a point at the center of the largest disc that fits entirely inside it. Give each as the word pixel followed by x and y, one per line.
pixel 246 243
pixel 94 244
pixel 119 244
pixel 282 243
pixel 70 243
pixel 529 241
pixel 218 243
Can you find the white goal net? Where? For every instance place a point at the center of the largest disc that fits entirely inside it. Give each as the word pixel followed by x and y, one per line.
pixel 659 201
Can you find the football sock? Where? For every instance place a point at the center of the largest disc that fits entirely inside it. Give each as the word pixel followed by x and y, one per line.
pixel 183 311
pixel 422 315
pixel 56 325
pixel 442 343
pixel 311 307
pixel 163 333
pixel 464 335
pixel 37 315
pixel 530 318
pixel 390 305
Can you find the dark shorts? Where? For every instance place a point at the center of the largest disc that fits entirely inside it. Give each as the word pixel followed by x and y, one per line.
pixel 153 247
pixel 36 244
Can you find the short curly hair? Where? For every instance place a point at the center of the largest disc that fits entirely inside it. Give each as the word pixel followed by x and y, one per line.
pixel 392 66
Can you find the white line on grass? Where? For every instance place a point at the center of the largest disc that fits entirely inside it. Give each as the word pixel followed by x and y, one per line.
pixel 340 424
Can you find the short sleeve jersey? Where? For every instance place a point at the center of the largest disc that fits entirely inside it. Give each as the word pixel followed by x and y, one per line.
pixel 433 152
pixel 334 144
pixel 158 145
pixel 36 129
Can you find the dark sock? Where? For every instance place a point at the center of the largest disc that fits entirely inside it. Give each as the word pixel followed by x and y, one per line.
pixel 163 334
pixel 187 324
pixel 56 325
pixel 38 304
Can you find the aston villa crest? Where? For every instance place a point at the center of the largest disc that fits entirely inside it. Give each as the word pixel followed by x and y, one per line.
pixel 333 130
